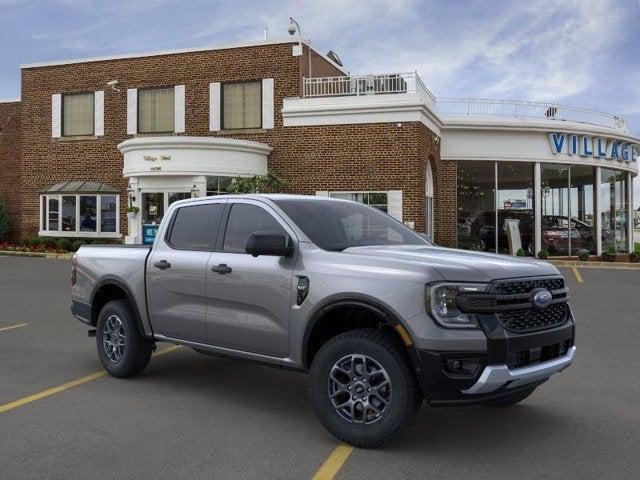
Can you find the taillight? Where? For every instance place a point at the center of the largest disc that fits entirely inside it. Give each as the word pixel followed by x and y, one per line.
pixel 74 261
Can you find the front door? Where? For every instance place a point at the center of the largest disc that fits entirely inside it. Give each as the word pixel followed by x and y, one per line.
pixel 249 298
pixel 177 272
pixel 154 204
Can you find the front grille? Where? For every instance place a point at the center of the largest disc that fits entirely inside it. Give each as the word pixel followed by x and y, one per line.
pixel 525 286
pixel 524 358
pixel 532 319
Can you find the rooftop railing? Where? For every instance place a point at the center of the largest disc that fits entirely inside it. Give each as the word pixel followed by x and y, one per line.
pixel 526 109
pixel 399 83
pixel 356 85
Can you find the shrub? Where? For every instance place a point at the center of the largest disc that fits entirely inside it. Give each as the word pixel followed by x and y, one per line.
pixel 49 242
pixel 64 244
pixel 520 252
pixel 26 242
pixel 76 245
pixel 4 221
pixel 543 254
pixel 609 255
pixel 36 241
pixel 583 254
pixel 634 257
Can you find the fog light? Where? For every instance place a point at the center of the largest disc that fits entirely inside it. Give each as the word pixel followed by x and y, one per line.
pixel 461 367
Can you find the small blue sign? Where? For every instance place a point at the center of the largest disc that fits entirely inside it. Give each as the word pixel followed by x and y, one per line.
pixel 149 233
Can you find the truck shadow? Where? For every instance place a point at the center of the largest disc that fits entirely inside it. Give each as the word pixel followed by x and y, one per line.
pixel 281 395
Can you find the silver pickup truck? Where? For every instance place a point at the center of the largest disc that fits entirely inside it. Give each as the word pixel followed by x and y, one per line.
pixel 379 317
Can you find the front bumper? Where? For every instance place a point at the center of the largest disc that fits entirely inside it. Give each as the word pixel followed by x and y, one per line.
pixel 494 377
pixel 511 362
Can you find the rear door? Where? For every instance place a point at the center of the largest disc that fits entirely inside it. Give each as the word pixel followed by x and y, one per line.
pixel 249 298
pixel 177 271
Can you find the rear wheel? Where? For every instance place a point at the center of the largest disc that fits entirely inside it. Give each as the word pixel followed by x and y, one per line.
pixel 363 387
pixel 123 351
pixel 510 399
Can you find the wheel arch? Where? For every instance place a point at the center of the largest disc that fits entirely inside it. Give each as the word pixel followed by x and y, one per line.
pixel 325 312
pixel 112 288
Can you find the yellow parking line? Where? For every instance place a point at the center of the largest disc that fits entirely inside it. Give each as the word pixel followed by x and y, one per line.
pixel 19 325
pixel 334 463
pixel 577 274
pixel 65 386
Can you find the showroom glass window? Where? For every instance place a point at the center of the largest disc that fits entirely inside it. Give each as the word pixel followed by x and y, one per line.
pixel 582 196
pixel 377 200
pixel 614 214
pixel 156 110
pixel 78 114
pixel 476 205
pixel 242 105
pixel 515 203
pixel 554 202
pixel 78 215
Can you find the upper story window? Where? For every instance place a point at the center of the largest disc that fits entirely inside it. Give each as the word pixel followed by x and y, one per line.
pixel 78 114
pixel 156 110
pixel 241 105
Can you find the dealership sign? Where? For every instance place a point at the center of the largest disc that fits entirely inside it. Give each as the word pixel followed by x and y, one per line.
pixel 597 147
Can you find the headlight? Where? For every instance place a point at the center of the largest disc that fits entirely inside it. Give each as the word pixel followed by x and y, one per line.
pixel 443 305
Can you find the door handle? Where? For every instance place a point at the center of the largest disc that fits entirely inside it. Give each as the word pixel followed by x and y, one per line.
pixel 222 269
pixel 162 265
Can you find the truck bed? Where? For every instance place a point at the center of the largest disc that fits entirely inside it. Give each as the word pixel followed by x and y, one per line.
pixel 124 264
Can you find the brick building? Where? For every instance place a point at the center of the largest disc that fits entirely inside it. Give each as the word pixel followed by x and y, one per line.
pixel 90 137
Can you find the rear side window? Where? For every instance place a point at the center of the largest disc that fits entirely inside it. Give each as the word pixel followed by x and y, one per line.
pixel 195 228
pixel 244 220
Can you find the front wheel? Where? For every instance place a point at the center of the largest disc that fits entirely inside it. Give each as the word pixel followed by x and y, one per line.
pixel 363 387
pixel 123 351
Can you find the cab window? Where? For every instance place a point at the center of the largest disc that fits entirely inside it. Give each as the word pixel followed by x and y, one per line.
pixel 195 227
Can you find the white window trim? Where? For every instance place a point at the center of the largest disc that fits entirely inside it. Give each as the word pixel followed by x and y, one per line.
pixel 78 234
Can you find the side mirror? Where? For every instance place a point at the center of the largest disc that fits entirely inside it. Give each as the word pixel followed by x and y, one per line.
pixel 269 243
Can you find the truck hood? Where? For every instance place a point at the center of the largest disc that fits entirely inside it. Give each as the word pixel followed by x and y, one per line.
pixel 460 265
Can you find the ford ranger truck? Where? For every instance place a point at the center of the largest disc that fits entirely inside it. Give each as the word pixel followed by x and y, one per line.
pixel 378 317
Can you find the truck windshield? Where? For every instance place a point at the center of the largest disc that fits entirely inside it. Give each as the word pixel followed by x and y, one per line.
pixel 337 225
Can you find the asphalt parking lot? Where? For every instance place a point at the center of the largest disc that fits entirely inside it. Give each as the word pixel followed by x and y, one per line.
pixel 193 416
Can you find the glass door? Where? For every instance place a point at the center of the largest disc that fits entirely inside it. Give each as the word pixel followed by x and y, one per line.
pixel 154 206
pixel 152 214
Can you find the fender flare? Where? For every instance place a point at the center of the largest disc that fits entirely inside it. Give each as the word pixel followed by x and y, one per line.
pixel 356 299
pixel 111 280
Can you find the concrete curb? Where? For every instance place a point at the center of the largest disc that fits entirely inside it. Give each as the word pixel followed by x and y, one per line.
pixel 57 256
pixel 572 263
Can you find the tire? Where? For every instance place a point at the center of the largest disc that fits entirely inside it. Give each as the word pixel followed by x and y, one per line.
pixel 117 324
pixel 386 361
pixel 510 399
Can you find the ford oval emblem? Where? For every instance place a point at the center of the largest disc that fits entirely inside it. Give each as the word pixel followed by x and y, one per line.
pixel 541 298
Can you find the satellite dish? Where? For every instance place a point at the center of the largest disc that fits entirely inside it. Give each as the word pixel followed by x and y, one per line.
pixel 334 56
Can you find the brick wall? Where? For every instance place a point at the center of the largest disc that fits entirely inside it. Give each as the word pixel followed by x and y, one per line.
pixel 9 159
pixel 45 161
pixel 340 157
pixel 445 187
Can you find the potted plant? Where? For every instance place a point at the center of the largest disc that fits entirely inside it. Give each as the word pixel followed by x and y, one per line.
pixel 132 212
pixel 583 254
pixel 543 254
pixel 610 254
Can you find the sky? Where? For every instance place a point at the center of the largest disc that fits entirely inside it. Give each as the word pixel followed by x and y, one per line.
pixel 577 52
